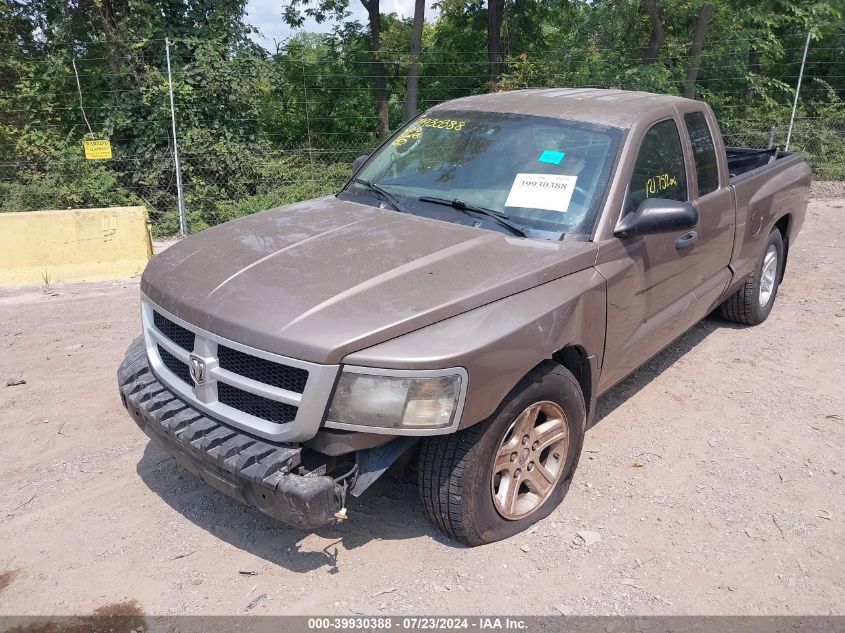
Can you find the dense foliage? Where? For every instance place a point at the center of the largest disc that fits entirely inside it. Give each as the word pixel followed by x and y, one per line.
pixel 256 129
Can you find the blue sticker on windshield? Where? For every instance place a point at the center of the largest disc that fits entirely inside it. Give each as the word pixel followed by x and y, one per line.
pixel 551 157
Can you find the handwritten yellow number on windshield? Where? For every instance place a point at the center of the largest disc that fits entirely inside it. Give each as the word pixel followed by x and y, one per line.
pixel 415 131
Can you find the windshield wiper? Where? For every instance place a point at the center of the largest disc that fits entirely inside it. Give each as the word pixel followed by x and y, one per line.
pixel 382 192
pixel 460 205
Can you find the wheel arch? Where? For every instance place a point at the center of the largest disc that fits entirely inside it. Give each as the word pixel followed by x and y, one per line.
pixel 576 359
pixel 783 225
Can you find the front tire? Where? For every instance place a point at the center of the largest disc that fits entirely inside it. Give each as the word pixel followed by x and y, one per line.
pixel 500 476
pixel 752 303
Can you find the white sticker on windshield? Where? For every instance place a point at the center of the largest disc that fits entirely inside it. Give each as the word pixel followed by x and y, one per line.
pixel 550 192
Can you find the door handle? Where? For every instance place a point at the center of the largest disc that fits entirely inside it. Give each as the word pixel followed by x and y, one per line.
pixel 687 241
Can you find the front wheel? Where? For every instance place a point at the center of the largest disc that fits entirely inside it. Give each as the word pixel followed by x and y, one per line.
pixel 753 302
pixel 498 477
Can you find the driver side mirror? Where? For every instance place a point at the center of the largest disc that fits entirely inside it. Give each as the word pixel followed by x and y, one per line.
pixel 359 162
pixel 657 215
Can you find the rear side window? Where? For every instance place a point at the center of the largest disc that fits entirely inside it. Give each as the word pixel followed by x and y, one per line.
pixel 659 171
pixel 703 151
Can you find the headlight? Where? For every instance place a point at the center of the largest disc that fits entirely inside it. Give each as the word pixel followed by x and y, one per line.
pixel 409 401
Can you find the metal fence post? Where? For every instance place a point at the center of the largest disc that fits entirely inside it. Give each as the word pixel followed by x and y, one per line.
pixel 797 90
pixel 180 196
pixel 308 120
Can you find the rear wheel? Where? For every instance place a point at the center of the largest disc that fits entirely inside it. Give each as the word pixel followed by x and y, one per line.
pixel 753 302
pixel 495 479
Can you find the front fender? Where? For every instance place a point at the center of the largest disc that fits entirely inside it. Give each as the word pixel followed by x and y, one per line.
pixel 501 342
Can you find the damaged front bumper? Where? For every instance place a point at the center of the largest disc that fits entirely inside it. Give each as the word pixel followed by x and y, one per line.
pixel 253 471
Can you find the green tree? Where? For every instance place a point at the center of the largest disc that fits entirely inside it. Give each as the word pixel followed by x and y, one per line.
pixel 295 12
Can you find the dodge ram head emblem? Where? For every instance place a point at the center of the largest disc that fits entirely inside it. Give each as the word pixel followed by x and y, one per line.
pixel 197 370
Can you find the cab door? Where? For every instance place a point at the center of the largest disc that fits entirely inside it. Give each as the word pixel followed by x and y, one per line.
pixel 650 278
pixel 716 211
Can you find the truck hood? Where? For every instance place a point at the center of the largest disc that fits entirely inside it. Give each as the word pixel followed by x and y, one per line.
pixel 323 278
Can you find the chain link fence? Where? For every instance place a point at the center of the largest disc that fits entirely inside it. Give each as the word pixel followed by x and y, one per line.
pixel 254 135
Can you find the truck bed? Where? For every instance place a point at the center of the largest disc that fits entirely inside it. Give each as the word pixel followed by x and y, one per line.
pixel 767 185
pixel 745 159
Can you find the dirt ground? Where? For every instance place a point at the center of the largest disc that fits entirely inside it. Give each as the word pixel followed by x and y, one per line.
pixel 714 479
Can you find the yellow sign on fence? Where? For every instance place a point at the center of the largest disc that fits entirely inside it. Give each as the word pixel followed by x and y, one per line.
pixel 97 150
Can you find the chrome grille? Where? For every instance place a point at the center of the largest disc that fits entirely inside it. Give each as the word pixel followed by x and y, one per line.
pixel 176 333
pixel 175 365
pixel 269 395
pixel 268 372
pixel 264 408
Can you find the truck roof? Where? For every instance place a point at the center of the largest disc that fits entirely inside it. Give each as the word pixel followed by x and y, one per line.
pixel 617 108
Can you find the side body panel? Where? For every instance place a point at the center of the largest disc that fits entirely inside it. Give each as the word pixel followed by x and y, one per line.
pixel 717 216
pixel 762 197
pixel 501 342
pixel 655 291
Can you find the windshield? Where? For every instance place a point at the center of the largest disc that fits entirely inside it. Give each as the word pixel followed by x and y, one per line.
pixel 541 173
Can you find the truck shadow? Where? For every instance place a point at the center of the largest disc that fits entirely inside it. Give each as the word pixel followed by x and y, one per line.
pixel 635 382
pixel 389 510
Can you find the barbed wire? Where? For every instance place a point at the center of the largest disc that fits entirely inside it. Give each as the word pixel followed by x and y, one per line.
pixel 229 41
pixel 303 150
pixel 307 57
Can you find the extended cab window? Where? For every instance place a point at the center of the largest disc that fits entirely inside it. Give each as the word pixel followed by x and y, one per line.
pixel 705 154
pixel 659 171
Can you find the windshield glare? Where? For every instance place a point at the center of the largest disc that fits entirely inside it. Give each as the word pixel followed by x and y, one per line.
pixel 543 173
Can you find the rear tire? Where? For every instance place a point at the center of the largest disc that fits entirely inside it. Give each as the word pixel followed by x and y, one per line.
pixel 752 303
pixel 457 473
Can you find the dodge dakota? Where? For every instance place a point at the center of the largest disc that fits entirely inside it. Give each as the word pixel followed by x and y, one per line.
pixel 484 276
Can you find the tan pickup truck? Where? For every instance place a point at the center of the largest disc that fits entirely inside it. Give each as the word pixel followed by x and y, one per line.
pixel 480 281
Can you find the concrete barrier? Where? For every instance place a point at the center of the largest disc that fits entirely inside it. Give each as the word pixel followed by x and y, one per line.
pixel 73 245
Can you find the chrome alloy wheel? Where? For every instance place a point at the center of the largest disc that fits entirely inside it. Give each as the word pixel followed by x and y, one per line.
pixel 768 275
pixel 530 460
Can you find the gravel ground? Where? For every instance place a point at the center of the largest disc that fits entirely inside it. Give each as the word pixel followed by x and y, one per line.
pixel 712 483
pixel 828 189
